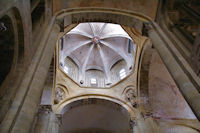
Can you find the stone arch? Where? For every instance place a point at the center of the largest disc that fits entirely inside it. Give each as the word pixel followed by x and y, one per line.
pixel 75 16
pixel 143 75
pixel 7 46
pixel 126 18
pixel 102 15
pixel 13 78
pixel 98 75
pixel 89 104
pixel 59 109
pixel 18 42
pixel 115 69
pixel 20 31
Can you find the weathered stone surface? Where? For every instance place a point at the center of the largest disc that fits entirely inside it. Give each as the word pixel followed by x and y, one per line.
pixel 144 7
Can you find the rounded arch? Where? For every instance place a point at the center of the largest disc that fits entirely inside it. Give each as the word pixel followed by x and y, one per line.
pixel 14 75
pixel 143 74
pixel 71 68
pixel 115 62
pixel 97 75
pixel 125 18
pixel 20 34
pixel 132 111
pixel 116 69
pixel 7 45
pixel 17 39
pixel 93 113
pixel 102 14
pixel 74 60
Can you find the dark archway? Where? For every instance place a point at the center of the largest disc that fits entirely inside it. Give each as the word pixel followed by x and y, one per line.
pixel 12 58
pixel 95 116
pixel 7 46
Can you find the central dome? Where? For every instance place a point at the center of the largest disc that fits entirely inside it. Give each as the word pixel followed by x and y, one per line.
pixel 95 48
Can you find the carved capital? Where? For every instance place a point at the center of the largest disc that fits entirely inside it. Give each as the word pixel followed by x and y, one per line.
pixel 44 109
pixel 130 94
pixel 148 26
pixel 60 22
pixel 59 95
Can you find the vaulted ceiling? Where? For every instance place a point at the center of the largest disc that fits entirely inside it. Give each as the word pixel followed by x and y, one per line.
pixel 97 46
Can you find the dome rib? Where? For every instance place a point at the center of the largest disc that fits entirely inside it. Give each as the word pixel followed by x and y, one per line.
pixel 80 33
pixel 86 60
pixel 92 28
pixel 103 27
pixel 114 35
pixel 124 56
pixel 105 64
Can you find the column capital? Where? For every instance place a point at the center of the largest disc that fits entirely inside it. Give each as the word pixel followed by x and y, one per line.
pixel 60 22
pixel 148 26
pixel 44 109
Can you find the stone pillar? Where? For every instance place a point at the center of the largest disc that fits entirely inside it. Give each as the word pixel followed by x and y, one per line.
pixel 55 122
pixel 47 121
pixel 146 124
pixel 196 54
pixel 188 89
pixel 21 114
pixel 141 127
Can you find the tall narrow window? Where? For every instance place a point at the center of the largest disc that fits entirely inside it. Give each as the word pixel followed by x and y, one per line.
pixel 129 46
pixel 62 43
pixel 122 73
pixel 134 48
pixel 66 69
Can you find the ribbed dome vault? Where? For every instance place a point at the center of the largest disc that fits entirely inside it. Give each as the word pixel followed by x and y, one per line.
pixel 97 46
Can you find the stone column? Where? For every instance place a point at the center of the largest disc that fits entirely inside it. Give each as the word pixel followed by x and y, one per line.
pixel 21 114
pixel 196 53
pixel 146 124
pixel 188 89
pixel 47 121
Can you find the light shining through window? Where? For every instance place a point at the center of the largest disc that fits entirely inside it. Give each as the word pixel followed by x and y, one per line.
pixel 66 69
pixel 122 73
pixel 93 81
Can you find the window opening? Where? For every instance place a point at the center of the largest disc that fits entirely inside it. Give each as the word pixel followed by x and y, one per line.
pixel 66 69
pixel 122 73
pixel 62 43
pixel 93 81
pixel 129 46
